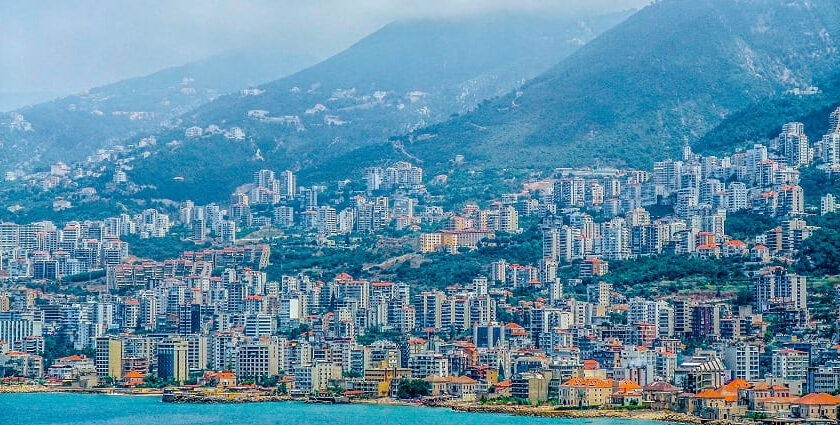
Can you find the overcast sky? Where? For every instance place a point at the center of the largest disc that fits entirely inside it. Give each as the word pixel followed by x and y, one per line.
pixel 60 47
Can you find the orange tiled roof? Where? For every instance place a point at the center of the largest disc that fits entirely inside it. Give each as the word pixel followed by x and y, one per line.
pixel 134 375
pixel 735 385
pixel 627 385
pixel 461 380
pixel 73 358
pixel 434 378
pixel 579 382
pixel 710 394
pixel 503 384
pixel 818 399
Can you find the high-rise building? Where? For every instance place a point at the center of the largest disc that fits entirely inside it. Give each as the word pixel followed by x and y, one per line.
pixel 791 366
pixel 600 294
pixel 705 321
pixel 263 178
pixel 227 232
pixel 776 287
pixel 403 207
pixel 108 358
pixel 743 360
pixel 189 318
pixel 199 230
pixel 373 178
pixel 508 219
pixel 828 204
pixel 288 185
pixel 326 220
pixel 570 192
pixel 667 174
pixel 258 359
pixel 172 359
pixel 260 325
pixel 737 197
pixel 791 200
pixel 489 335
pixel 659 313
pixel 794 145
pixel 284 216
pixel 428 308
pixel 834 121
pixel 830 149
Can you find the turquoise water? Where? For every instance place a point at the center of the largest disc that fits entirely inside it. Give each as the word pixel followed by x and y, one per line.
pixel 77 409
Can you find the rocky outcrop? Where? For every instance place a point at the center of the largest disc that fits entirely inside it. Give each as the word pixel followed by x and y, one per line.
pixel 555 412
pixel 225 398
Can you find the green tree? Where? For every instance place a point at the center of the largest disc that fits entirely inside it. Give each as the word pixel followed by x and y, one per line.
pixel 820 253
pixel 413 388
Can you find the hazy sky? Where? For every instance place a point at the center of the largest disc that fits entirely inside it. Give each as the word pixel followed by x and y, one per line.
pixel 60 47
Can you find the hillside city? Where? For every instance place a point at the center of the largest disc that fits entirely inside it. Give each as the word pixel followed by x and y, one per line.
pixel 698 286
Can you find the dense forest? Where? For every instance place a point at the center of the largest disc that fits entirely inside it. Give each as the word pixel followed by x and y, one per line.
pixel 820 254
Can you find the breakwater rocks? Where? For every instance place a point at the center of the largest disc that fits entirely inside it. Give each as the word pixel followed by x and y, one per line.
pixel 222 398
pixel 25 388
pixel 555 412
pixel 36 388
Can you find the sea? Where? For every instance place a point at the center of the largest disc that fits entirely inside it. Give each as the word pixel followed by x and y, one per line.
pixel 95 409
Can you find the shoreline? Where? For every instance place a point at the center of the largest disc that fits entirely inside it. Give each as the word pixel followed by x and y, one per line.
pixel 547 411
pixel 46 389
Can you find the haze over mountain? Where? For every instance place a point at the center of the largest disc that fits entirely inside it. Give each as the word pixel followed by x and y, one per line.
pixel 10 100
pixel 507 91
pixel 63 47
pixel 662 78
pixel 403 77
pixel 70 128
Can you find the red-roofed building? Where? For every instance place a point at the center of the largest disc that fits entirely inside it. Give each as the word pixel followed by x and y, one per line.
pixel 593 267
pixel 760 253
pixel 586 392
pixel 133 379
pixel 626 393
pixel 709 250
pixel 717 404
pixel 818 407
pixel 502 388
pixel 660 395
pixel 461 386
pixel 734 248
pixel 226 379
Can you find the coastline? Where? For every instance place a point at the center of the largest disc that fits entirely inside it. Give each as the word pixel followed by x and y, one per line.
pixel 34 389
pixel 547 411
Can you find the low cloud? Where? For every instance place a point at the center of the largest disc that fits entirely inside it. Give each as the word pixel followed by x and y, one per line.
pixel 63 47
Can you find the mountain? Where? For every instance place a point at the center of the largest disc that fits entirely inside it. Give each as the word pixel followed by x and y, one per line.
pixel 405 76
pixel 635 94
pixel 10 100
pixel 70 128
pixel 763 120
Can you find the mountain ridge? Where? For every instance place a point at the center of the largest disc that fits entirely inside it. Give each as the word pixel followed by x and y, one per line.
pixel 619 97
pixel 71 127
pixel 395 80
